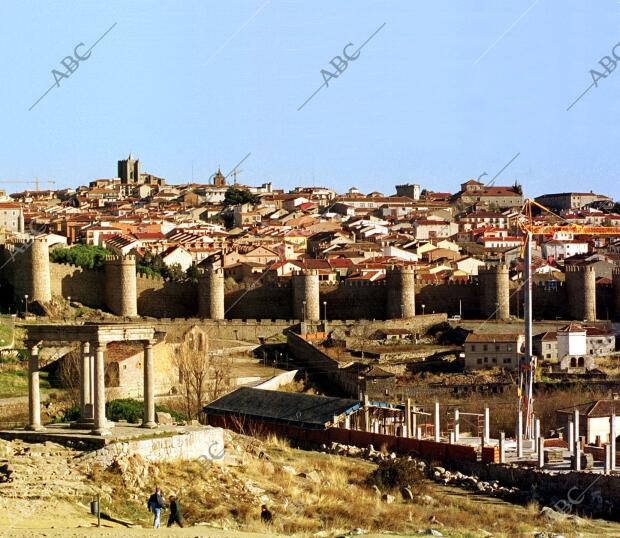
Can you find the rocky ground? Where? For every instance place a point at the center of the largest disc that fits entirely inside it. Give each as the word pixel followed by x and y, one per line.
pixel 45 490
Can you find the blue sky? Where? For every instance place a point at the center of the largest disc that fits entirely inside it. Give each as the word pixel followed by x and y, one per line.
pixel 445 91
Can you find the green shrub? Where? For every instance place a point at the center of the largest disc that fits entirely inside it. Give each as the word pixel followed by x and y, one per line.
pixel 124 409
pixel 392 474
pixel 86 256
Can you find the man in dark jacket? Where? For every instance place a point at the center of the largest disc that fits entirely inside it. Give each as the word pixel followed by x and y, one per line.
pixel 156 504
pixel 175 512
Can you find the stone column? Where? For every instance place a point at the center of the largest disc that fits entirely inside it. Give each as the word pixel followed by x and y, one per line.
pixel 612 441
pixel 570 432
pixel 536 428
pixel 101 426
pixel 34 395
pixel 148 420
pixel 437 423
pixel 85 397
pixel 457 426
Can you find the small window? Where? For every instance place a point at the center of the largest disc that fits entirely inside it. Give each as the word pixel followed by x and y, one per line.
pixel 473 347
pixel 497 347
pixel 485 347
pixel 479 361
pixel 507 361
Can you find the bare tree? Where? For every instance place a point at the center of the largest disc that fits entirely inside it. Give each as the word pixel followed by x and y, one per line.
pixel 69 375
pixel 203 375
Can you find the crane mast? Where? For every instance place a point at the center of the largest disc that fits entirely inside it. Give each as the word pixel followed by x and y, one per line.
pixel 528 363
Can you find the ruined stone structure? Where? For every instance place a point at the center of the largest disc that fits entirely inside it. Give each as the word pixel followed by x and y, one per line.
pixel 581 291
pixel 120 292
pixel 494 292
pixel 400 296
pixel 211 294
pixel 306 297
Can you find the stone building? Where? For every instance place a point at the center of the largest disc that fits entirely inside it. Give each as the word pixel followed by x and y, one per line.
pixel 11 217
pixel 488 350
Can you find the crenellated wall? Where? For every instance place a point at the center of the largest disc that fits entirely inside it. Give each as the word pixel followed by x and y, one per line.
pixel 400 295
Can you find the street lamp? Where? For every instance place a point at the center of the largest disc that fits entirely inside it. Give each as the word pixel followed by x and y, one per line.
pixel 26 304
pixel 325 311
pixel 423 307
pixel 303 314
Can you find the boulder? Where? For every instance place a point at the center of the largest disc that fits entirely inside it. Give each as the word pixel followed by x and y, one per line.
pixel 387 498
pixel 407 494
pixel 163 418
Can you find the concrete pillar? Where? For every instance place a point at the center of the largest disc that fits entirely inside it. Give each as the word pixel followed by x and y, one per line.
pixel 457 425
pixel 519 434
pixel 607 459
pixel 452 438
pixel 84 380
pixel 400 296
pixel 418 432
pixel 536 428
pixel 408 418
pixel 414 422
pixel 571 434
pixel 211 294
pixel 486 433
pixel 366 414
pixel 101 425
pixel 502 447
pixel 34 395
pixel 541 451
pixel 612 440
pixel 347 422
pixel 148 420
pixel 437 423
pixel 577 446
pixel 575 429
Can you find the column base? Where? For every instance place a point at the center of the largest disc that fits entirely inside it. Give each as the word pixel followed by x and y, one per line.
pixel 34 427
pixel 149 425
pixel 82 424
pixel 102 432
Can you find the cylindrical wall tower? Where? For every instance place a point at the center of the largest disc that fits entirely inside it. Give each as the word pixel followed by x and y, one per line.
pixel 581 292
pixel 31 270
pixel 400 296
pixel 120 285
pixel 495 292
pixel 306 289
pixel 211 294
pixel 616 292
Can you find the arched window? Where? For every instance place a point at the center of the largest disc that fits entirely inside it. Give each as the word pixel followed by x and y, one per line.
pixel 581 362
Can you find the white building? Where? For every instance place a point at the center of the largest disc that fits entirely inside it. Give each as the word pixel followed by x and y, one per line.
pixel 594 419
pixel 563 249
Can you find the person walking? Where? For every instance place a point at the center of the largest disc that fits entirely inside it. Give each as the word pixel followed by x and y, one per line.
pixel 175 512
pixel 156 504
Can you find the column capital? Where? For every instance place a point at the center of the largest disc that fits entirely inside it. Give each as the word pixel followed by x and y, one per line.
pixel 100 346
pixel 149 343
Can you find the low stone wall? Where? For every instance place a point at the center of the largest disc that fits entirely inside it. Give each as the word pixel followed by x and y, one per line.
pixel 574 491
pixel 189 445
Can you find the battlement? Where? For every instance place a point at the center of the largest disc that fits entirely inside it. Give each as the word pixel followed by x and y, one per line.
pixel 306 272
pixel 208 271
pixel 493 269
pixel 578 269
pixel 403 269
pixel 121 258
